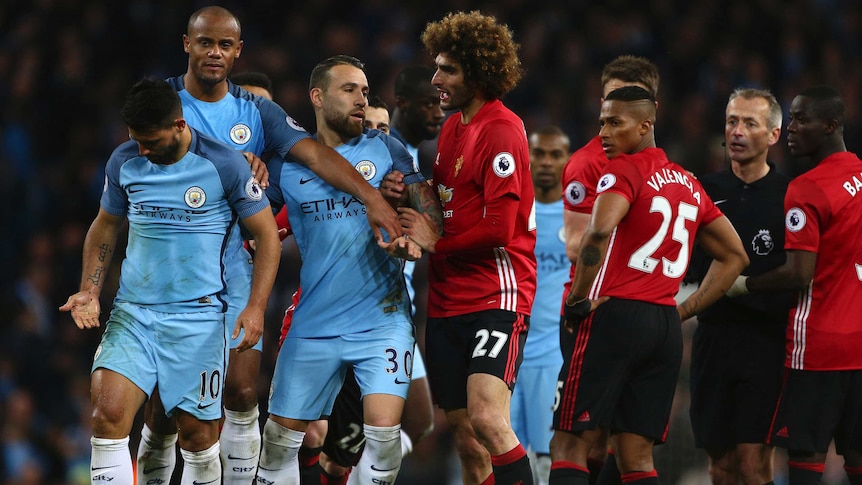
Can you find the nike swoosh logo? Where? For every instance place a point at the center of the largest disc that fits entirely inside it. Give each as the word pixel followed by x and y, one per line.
pixel 147 471
pixel 382 470
pixel 305 181
pixel 95 468
pixel 135 191
pixel 205 483
pixel 722 201
pixel 204 406
pixel 399 381
pixel 231 457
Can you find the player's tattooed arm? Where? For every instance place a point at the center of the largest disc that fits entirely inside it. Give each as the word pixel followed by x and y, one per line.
pixel 590 255
pixel 425 200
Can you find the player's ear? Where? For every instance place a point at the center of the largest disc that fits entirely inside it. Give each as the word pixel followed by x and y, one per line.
pixel 645 127
pixel 180 124
pixel 238 50
pixel 316 96
pixel 186 43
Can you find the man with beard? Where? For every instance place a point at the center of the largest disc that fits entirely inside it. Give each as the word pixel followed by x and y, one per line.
pixel 333 329
pixel 181 192
pixel 216 106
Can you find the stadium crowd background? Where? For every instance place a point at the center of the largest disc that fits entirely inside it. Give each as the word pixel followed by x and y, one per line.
pixel 66 64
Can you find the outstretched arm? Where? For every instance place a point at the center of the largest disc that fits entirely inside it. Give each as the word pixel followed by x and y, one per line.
pixel 339 173
pixel 720 241
pixel 99 247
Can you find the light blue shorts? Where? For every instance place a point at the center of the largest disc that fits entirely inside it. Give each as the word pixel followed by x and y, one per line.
pixel 309 371
pixel 238 291
pixel 532 408
pixel 183 353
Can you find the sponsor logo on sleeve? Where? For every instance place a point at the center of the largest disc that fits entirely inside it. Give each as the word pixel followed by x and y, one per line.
pixel 253 190
pixel 575 193
pixel 607 181
pixel 504 164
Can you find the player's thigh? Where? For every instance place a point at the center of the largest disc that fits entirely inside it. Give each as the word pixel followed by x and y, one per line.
pixel 809 410
pixel 382 359
pixel 646 403
pixel 127 346
pixel 192 363
pixel 307 377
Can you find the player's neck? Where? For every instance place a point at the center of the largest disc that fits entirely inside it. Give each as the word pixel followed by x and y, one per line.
pixel 548 196
pixel 469 110
pixel 329 137
pixel 205 92
pixel 751 171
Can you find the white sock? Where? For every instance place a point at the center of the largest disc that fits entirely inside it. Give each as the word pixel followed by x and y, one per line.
pixel 111 462
pixel 381 458
pixel 201 467
pixel 406 444
pixel 240 446
pixel 543 469
pixel 156 456
pixel 279 457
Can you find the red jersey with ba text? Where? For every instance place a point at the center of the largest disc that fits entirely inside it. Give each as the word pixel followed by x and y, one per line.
pixel 649 250
pixel 580 176
pixel 477 164
pixel 823 215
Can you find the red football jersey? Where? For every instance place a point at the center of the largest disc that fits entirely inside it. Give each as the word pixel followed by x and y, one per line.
pixel 580 176
pixel 823 214
pixel 485 160
pixel 649 250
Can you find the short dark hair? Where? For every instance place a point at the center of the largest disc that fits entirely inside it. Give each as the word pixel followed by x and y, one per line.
pixel 630 93
pixel 320 74
pixel 252 78
pixel 828 103
pixel 632 69
pixel 410 78
pixel 215 11
pixel 376 102
pixel 151 104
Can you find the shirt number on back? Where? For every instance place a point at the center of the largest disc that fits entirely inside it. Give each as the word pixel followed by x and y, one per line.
pixel 642 259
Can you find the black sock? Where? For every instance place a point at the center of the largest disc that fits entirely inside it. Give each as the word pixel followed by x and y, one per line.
pixel 610 474
pixel 568 473
pixel 512 467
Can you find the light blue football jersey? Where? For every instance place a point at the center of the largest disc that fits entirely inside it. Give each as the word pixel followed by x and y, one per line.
pixel 180 217
pixel 543 340
pixel 348 283
pixel 249 123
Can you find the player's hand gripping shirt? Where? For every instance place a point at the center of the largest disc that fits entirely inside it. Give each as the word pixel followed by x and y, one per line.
pixel 649 251
pixel 349 284
pixel 180 216
pixel 823 214
pixel 478 163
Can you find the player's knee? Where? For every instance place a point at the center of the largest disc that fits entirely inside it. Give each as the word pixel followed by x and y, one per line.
pixel 755 467
pixel 488 425
pixel 108 422
pixel 240 394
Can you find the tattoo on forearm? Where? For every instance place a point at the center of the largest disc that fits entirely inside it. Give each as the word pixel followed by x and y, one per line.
pixel 425 201
pixel 591 255
pixel 96 277
pixel 104 249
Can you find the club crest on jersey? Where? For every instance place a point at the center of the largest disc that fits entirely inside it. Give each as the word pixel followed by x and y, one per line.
pixel 195 197
pixel 253 190
pixel 240 134
pixel 293 124
pixel 575 193
pixel 445 193
pixel 794 220
pixel 367 169
pixel 762 243
pixel 504 164
pixel 607 181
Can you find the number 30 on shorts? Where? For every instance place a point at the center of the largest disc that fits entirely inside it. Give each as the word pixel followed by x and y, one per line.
pixel 490 343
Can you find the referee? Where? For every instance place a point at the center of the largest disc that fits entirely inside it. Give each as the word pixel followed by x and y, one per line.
pixel 737 358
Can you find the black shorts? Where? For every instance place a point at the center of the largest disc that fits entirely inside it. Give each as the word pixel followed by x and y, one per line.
pixel 346 437
pixel 817 406
pixel 486 342
pixel 736 375
pixel 623 371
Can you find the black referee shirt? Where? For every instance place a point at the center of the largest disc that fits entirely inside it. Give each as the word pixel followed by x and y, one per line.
pixel 756 211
